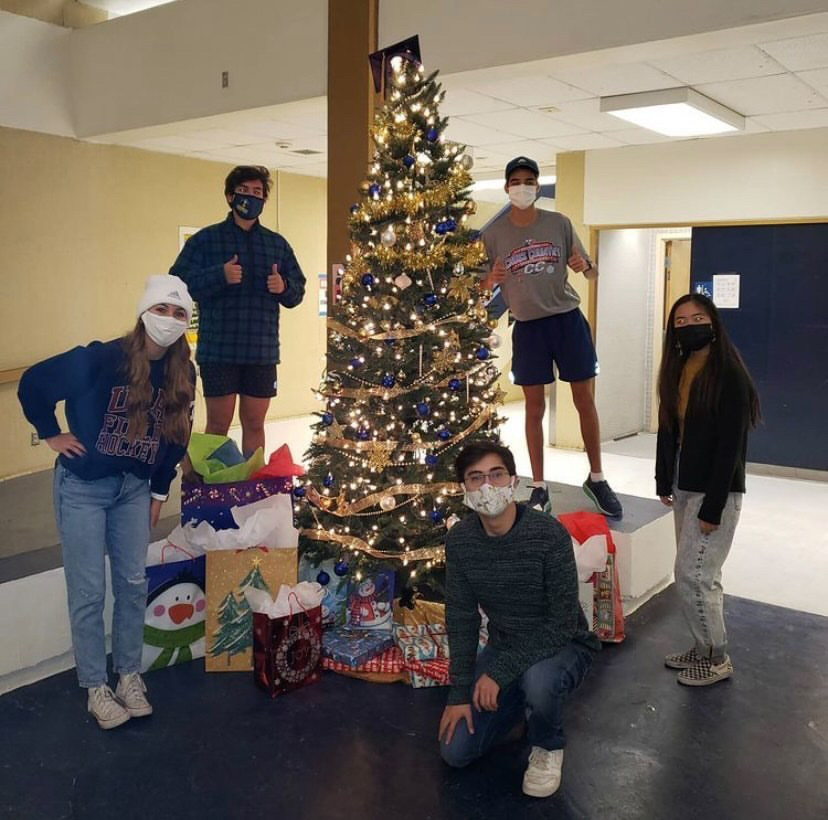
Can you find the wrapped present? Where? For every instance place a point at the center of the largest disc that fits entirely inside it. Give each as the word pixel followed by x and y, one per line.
pixel 418 612
pixel 425 650
pixel 370 602
pixel 287 637
pixel 353 647
pixel 176 604
pixel 389 662
pixel 213 502
pixel 336 589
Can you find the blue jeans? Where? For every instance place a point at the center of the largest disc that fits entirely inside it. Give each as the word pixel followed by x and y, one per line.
pixel 93 517
pixel 538 696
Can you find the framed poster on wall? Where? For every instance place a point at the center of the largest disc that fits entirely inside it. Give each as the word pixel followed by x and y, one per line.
pixel 184 233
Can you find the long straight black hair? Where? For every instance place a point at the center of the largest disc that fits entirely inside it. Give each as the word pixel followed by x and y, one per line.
pixel 708 384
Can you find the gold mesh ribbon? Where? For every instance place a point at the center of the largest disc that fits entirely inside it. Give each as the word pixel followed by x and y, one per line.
pixel 437 553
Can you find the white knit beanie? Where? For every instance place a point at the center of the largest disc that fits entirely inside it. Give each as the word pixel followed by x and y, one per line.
pixel 166 289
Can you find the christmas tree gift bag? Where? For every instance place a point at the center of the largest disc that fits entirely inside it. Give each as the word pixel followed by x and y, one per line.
pixel 287 637
pixel 174 619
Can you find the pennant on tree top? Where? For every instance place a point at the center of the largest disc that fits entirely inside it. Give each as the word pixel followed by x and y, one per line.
pixel 381 60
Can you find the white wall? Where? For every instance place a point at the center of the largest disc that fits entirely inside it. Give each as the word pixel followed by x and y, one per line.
pixel 623 322
pixel 462 35
pixel 734 179
pixel 34 94
pixel 165 64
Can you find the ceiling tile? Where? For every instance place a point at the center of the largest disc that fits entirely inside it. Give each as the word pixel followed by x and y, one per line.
pixel 525 123
pixel 460 101
pixel 800 53
pixel 539 151
pixel 176 144
pixel 813 118
pixel 279 129
pixel 226 136
pixel 532 90
pixel 719 65
pixel 817 78
pixel 586 114
pixel 471 133
pixel 764 95
pixel 617 79
pixel 639 136
pixel 586 142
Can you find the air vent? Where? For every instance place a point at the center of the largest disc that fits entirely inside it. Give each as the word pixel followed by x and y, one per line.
pixel 305 152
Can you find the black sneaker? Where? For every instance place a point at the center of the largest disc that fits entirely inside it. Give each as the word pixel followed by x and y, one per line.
pixel 539 500
pixel 704 672
pixel 602 496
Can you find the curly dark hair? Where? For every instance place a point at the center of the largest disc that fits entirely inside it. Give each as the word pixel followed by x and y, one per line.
pixel 247 173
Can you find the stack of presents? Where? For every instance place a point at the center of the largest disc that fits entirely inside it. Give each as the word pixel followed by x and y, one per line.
pixel 227 586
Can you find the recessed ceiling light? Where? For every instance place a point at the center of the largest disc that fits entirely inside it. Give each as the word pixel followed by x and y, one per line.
pixel 674 112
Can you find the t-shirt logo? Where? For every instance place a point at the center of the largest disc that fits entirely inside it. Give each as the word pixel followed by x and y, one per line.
pixel 534 258
pixel 113 439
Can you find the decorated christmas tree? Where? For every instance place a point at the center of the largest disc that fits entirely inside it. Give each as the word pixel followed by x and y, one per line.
pixel 410 374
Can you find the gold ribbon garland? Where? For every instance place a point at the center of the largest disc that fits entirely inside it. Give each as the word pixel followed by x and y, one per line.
pixel 436 554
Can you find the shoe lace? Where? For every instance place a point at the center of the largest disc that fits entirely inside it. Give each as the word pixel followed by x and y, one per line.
pixel 542 758
pixel 103 696
pixel 133 686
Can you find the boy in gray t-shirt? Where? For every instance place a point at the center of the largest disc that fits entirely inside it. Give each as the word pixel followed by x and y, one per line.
pixel 529 251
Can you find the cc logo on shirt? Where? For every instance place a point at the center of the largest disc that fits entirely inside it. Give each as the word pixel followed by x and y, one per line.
pixel 538 267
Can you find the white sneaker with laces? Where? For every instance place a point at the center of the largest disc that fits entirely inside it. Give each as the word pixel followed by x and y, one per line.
pixel 543 774
pixel 131 691
pixel 105 707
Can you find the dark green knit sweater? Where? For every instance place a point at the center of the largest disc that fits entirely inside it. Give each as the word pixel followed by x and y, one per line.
pixel 526 582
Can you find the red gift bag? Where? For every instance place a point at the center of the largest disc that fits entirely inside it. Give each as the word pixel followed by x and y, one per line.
pixel 608 611
pixel 287 651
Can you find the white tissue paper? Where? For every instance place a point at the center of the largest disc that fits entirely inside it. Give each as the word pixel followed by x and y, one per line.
pixel 305 595
pixel 590 557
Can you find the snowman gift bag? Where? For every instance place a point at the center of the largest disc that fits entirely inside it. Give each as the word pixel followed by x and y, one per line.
pixel 176 604
pixel 370 602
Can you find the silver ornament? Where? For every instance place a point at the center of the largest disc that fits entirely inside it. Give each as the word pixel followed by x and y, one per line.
pixel 493 341
pixel 388 502
pixel 403 281
pixel 467 161
pixel 388 237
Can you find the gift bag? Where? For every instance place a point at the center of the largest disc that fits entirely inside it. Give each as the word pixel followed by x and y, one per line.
pixel 335 587
pixel 370 602
pixel 213 502
pixel 608 621
pixel 229 624
pixel 425 650
pixel 176 604
pixel 287 649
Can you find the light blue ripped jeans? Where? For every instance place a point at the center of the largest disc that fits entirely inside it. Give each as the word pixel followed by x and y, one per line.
pixel 699 561
pixel 93 517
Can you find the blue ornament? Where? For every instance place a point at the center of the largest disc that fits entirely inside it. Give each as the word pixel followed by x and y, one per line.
pixel 482 353
pixel 432 134
pixel 423 409
pixel 440 228
pixel 436 516
pixel 431 459
pixel 451 225
pixel 390 342
pixel 388 380
pixel 408 160
pixel 354 208
pixel 356 362
pixel 323 578
pixel 327 419
pixel 299 492
pixel 367 280
pixel 328 480
pixel 341 568
pixel 363 435
pixel 444 435
pixel 374 189
pixel 430 299
pixel 455 384
pixel 474 235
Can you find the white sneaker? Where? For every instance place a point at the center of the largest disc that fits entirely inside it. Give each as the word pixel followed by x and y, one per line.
pixel 131 691
pixel 543 774
pixel 106 708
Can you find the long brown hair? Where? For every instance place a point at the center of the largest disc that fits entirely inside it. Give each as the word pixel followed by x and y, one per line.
pixel 707 386
pixel 178 387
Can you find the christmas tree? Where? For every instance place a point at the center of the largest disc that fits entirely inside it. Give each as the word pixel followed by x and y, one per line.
pixel 410 375
pixel 235 631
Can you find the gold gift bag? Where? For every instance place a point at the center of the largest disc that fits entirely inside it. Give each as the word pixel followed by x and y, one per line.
pixel 229 623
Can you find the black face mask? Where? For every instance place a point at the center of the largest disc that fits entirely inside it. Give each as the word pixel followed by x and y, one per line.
pixel 247 206
pixel 694 337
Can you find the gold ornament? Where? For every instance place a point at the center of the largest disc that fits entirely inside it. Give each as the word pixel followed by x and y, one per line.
pixel 444 359
pixel 461 287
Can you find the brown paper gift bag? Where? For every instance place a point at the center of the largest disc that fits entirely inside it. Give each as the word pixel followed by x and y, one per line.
pixel 229 623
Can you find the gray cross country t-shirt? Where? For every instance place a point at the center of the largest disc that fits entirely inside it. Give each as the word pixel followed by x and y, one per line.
pixel 537 279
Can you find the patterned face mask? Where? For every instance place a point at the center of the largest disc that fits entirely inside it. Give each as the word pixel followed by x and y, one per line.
pixel 488 500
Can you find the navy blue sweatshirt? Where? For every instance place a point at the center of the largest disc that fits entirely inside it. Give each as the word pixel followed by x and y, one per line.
pixel 94 383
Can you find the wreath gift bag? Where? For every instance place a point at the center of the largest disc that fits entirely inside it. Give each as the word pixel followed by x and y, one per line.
pixel 287 649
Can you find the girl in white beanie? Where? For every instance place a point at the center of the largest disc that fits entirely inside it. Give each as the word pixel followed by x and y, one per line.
pixel 129 411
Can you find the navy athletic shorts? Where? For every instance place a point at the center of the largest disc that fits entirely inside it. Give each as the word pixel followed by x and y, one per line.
pixel 222 379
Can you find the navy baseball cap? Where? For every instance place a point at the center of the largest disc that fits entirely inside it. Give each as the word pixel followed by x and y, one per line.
pixel 522 162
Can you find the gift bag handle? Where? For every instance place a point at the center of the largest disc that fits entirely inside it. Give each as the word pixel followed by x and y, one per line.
pixel 176 547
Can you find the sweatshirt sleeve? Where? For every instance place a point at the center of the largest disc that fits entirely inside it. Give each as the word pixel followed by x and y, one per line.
pixel 665 461
pixel 53 380
pixel 463 625
pixel 294 291
pixel 204 280
pixel 731 428
pixel 563 609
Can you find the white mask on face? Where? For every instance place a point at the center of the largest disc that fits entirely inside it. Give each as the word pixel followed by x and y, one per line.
pixel 488 500
pixel 163 330
pixel 522 196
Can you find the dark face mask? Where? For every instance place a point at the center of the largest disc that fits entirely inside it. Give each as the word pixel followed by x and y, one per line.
pixel 694 337
pixel 247 206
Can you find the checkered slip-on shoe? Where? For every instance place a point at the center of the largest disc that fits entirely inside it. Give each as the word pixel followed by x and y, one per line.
pixel 682 660
pixel 705 672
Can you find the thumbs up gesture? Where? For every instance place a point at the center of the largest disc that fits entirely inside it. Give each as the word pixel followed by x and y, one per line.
pixel 233 270
pixel 275 283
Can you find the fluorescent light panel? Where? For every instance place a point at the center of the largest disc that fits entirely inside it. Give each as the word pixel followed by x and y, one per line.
pixel 499 182
pixel 674 112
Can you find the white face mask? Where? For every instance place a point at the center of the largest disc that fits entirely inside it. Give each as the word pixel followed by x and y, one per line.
pixel 163 330
pixel 522 196
pixel 488 500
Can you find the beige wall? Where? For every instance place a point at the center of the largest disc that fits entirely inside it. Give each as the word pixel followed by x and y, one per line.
pixel 83 225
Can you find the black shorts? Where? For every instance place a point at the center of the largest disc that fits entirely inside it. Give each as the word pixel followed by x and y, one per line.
pixel 221 379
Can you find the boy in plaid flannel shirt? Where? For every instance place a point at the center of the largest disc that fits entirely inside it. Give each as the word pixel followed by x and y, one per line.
pixel 241 274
